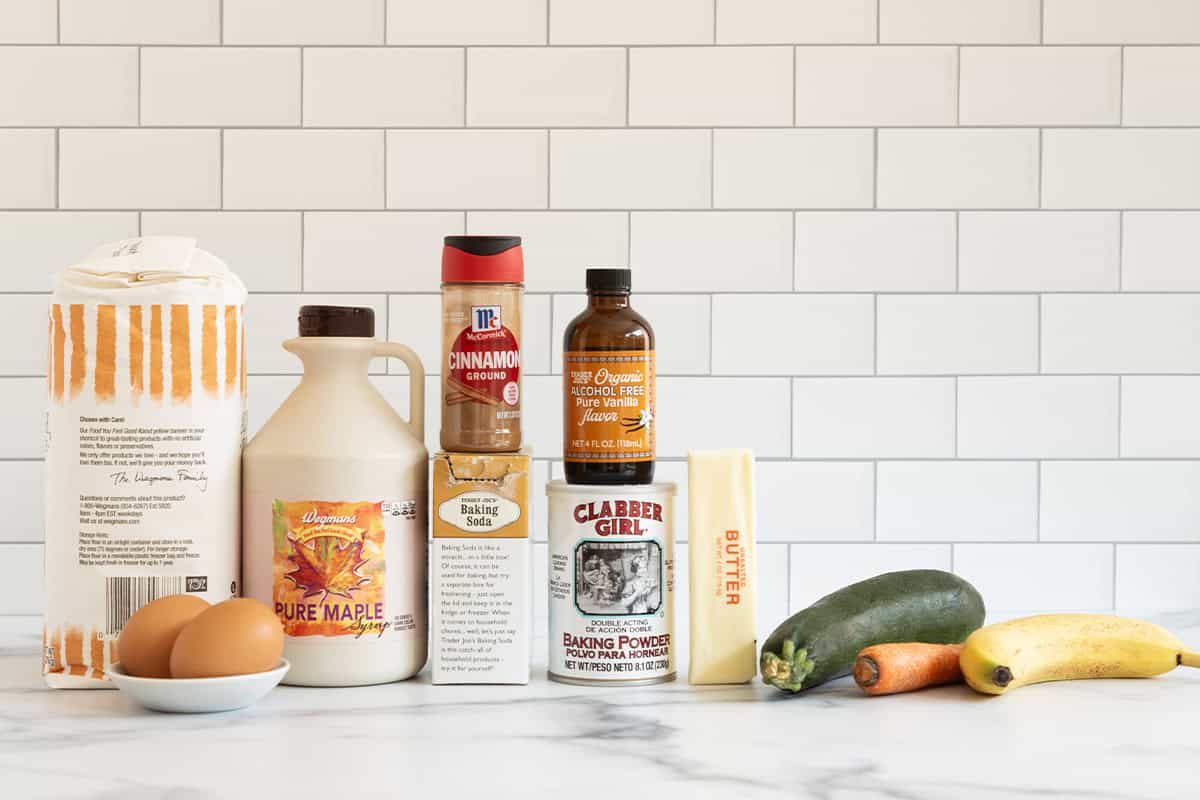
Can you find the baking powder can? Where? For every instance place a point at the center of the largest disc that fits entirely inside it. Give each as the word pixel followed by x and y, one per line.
pixel 611 583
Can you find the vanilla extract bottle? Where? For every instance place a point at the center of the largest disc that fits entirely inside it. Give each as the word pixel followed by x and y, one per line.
pixel 608 387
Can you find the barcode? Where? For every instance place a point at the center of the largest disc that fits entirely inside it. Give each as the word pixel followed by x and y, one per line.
pixel 123 596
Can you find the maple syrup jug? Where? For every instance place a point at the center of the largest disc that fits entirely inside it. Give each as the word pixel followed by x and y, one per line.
pixel 333 510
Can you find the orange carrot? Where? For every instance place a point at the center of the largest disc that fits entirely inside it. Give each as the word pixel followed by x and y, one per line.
pixel 906 667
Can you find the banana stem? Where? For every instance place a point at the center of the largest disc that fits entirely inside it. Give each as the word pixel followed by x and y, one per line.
pixel 1189 658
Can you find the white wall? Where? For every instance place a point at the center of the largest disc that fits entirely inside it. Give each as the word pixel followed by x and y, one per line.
pixel 936 261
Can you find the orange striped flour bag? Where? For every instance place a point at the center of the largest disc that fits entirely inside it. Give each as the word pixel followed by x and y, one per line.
pixel 144 434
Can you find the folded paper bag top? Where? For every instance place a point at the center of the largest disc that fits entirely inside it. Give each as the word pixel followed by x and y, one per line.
pixel 148 262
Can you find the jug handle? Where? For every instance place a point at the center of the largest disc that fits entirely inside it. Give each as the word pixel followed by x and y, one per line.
pixel 416 385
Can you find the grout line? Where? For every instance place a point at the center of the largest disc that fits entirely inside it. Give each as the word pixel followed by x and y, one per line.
pixel 549 161
pixel 712 168
pixel 1037 507
pixel 875 501
pixel 139 87
pixel 300 50
pixel 1120 386
pixel 875 334
pixel 548 5
pixel 1121 251
pixel 657 126
pixel 710 334
pixel 699 210
pixel 221 167
pixel 139 223
pixel 956 417
pixel 221 21
pixel 1039 335
pixel 1041 155
pixel 58 168
pixel 1041 21
pixel 952 545
pixel 791 418
pixel 466 62
pixel 303 236
pixel 795 86
pixel 58 21
pixel 1114 575
pixel 658 46
pixel 629 240
pixel 714 27
pixel 795 250
pixel 788 592
pixel 628 84
pixel 385 173
pixel 878 21
pixel 875 168
pixel 1121 90
pixel 957 251
pixel 958 86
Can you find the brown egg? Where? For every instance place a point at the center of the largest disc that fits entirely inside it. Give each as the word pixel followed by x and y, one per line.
pixel 236 637
pixel 144 647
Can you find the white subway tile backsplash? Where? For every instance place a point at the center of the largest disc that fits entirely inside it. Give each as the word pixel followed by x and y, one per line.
pixel 1112 501
pixel 942 168
pixel 277 169
pixel 814 501
pixel 1037 417
pixel 1158 416
pixel 466 22
pixel 21 421
pixel 631 22
pixel 708 413
pixel 1121 333
pixel 26 499
pixel 1162 86
pixel 680 323
pixel 873 417
pixel 876 85
pixel 796 21
pixel 965 334
pixel 559 245
pixel 1158 251
pixel 227 86
pixel 1121 168
pixel 466 169
pixel 957 501
pixel 860 237
pixel 630 169
pixel 1121 21
pixel 1158 576
pixel 818 569
pixel 793 168
pixel 37 244
pixel 1041 86
pixel 23 314
pixel 128 169
pixel 262 247
pixel 22 591
pixel 711 251
pixel 1031 251
pixel 27 164
pixel 392 87
pixel 1038 577
pixel 140 22
pixel 28 21
pixel 570 86
pixel 376 251
pixel 823 334
pixel 710 86
pixel 884 251
pixel 68 86
pixel 960 21
pixel 305 22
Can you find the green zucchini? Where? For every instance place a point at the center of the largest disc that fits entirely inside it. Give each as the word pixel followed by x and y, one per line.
pixel 821 642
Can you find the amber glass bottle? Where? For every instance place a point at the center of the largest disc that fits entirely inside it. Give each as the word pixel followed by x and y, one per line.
pixel 608 387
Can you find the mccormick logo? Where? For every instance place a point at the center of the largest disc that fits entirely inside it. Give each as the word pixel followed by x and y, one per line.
pixel 618 517
pixel 485 318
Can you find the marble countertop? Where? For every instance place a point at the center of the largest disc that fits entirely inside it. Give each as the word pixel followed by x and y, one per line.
pixel 1085 739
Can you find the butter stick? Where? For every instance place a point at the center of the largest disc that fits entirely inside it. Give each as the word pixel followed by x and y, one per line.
pixel 721 566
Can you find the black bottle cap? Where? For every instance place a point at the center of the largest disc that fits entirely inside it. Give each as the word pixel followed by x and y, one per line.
pixel 482 245
pixel 337 321
pixel 609 279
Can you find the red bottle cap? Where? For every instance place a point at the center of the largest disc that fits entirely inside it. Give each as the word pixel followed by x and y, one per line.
pixel 482 259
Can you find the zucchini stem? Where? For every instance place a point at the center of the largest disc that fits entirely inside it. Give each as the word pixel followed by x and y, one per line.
pixel 787 669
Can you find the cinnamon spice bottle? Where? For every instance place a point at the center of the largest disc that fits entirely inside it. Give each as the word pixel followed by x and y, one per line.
pixel 608 387
pixel 482 291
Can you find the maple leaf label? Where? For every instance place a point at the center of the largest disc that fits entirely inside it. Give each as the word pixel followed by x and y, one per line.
pixel 328 568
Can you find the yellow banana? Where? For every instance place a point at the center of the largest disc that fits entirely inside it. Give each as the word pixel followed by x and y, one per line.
pixel 1063 647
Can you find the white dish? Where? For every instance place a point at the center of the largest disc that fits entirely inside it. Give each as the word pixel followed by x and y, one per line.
pixel 199 695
